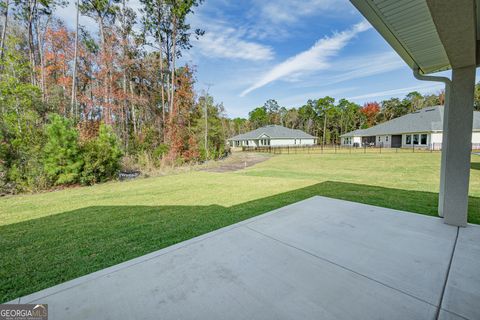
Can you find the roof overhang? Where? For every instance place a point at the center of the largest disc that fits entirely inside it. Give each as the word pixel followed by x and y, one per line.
pixel 429 35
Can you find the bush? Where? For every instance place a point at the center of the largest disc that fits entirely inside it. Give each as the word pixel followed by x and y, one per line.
pixel 62 159
pixel 160 151
pixel 101 157
pixel 3 167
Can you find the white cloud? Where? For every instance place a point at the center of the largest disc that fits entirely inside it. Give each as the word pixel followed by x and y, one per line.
pixel 280 19
pixel 227 43
pixel 349 68
pixel 365 66
pixel 395 92
pixel 314 59
pixel 289 11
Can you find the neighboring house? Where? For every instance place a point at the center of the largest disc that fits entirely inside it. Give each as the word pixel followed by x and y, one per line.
pixel 421 128
pixel 272 135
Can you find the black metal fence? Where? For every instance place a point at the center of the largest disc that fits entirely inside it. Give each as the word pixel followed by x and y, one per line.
pixel 345 149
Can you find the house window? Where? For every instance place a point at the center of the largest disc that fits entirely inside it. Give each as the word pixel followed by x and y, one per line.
pixel 415 139
pixel 386 138
pixel 423 139
pixel 379 139
pixel 247 142
pixel 408 139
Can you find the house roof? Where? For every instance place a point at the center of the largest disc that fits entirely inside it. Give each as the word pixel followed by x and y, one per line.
pixel 275 132
pixel 426 33
pixel 425 120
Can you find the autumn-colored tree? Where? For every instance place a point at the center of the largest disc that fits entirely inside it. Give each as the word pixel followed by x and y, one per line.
pixel 58 53
pixel 127 79
pixel 370 110
pixel 179 120
pixel 88 130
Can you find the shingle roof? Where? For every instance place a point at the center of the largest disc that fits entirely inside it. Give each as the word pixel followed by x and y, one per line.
pixel 273 131
pixel 425 120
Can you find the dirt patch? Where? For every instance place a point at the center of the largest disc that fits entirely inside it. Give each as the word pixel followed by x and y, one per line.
pixel 238 161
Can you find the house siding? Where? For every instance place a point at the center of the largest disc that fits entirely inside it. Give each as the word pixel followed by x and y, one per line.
pixel 476 137
pixel 350 141
pixel 273 142
pixel 384 141
pixel 436 137
pixel 291 142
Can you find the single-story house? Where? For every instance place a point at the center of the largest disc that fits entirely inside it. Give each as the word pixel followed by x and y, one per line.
pixel 421 128
pixel 272 135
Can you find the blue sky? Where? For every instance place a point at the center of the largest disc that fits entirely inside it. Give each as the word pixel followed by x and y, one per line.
pixel 291 51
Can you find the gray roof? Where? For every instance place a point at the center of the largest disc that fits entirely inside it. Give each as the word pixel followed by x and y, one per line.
pixel 274 132
pixel 428 119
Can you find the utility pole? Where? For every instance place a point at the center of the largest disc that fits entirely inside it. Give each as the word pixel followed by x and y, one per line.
pixel 206 119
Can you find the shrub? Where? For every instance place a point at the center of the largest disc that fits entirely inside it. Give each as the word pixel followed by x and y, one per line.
pixel 3 167
pixel 101 157
pixel 160 151
pixel 62 159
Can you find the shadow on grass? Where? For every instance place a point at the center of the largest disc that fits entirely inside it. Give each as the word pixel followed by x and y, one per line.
pixel 43 252
pixel 475 165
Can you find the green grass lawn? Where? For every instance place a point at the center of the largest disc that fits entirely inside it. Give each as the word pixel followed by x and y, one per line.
pixel 49 238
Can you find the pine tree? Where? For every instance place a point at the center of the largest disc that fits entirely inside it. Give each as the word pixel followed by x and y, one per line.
pixel 62 158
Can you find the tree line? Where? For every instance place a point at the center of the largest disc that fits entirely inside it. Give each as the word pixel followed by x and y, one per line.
pixel 77 105
pixel 328 119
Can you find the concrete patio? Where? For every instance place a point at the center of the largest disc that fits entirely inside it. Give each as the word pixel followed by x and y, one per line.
pixel 317 259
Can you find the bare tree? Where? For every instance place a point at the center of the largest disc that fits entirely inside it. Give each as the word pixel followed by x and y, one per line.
pixel 74 68
pixel 5 6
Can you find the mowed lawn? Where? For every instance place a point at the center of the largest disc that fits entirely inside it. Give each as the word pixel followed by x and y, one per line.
pixel 49 238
